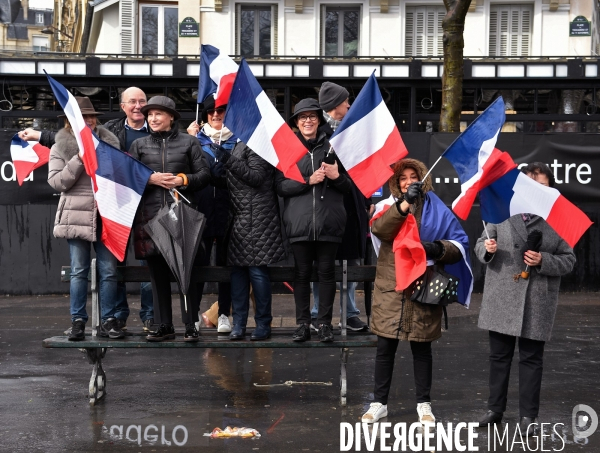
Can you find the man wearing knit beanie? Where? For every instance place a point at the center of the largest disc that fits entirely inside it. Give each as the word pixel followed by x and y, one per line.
pixel 333 99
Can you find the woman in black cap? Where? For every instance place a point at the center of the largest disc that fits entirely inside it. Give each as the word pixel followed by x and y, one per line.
pixel 178 163
pixel 314 218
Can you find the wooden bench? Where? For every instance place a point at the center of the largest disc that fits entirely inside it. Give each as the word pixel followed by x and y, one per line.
pixel 96 347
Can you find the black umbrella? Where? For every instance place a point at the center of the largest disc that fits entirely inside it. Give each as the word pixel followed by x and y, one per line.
pixel 177 233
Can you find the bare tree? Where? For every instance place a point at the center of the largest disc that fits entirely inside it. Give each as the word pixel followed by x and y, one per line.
pixel 452 80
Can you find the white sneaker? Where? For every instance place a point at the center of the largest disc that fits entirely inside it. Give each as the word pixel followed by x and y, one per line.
pixel 224 325
pixel 375 412
pixel 425 414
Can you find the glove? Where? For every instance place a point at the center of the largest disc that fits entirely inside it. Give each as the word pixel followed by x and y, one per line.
pixel 221 153
pixel 433 250
pixel 414 192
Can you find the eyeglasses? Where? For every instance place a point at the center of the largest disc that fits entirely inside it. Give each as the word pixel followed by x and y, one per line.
pixel 133 102
pixel 218 111
pixel 304 118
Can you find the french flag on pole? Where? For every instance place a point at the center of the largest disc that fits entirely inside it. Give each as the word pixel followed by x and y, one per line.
pixel 217 73
pixel 475 157
pixel 516 193
pixel 367 141
pixel 27 156
pixel 253 118
pixel 118 180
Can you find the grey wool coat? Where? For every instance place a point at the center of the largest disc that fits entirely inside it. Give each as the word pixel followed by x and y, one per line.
pixel 76 216
pixel 526 307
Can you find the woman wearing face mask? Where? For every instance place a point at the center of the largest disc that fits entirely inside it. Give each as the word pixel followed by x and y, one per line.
pixel 314 219
pixel 178 163
pixel 78 221
pixel 394 315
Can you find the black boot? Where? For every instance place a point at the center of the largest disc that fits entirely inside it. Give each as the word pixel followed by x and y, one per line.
pixel 490 418
pixel 191 333
pixel 528 426
pixel 164 332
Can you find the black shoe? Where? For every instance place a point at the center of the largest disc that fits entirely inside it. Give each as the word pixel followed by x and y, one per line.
pixel 191 333
pixel 237 333
pixel 164 332
pixel 148 323
pixel 111 329
pixel 490 418
pixel 325 333
pixel 261 333
pixel 302 333
pixel 355 324
pixel 77 330
pixel 528 426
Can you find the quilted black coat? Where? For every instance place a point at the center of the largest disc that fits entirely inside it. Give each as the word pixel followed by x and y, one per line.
pixel 165 152
pixel 306 216
pixel 256 226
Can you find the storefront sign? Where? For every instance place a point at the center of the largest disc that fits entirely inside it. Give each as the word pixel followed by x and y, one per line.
pixel 189 28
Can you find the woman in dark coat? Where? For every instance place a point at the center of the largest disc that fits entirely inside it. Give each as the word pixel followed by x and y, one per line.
pixel 522 309
pixel 255 237
pixel 395 316
pixel 314 219
pixel 178 163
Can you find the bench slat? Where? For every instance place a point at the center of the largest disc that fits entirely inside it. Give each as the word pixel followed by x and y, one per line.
pixel 222 274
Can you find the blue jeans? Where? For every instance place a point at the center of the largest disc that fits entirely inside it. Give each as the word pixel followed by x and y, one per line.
pixel 241 277
pixel 352 309
pixel 106 263
pixel 146 301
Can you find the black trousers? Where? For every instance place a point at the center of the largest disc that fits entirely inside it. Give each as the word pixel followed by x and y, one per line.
pixel 323 253
pixel 531 364
pixel 384 369
pixel 160 276
pixel 221 244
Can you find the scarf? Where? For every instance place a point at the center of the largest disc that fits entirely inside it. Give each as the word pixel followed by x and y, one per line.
pixel 333 124
pixel 217 136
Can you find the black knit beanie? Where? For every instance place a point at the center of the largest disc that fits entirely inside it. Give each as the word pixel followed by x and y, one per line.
pixel 332 95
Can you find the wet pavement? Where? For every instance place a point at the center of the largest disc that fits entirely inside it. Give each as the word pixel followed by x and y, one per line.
pixel 168 399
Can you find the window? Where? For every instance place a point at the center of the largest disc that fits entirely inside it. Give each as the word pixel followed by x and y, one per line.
pixel 510 30
pixel 423 36
pixel 256 30
pixel 158 30
pixel 39 18
pixel 40 43
pixel 340 30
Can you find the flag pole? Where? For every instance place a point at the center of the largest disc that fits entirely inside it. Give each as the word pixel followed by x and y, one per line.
pixel 197 107
pixel 486 231
pixel 436 162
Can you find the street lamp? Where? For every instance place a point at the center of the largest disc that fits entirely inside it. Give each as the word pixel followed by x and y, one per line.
pixel 51 29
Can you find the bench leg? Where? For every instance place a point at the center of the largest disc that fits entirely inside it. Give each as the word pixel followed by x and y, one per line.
pixel 343 380
pixel 97 388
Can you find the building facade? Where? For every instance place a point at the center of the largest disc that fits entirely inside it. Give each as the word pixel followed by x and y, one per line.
pixel 25 31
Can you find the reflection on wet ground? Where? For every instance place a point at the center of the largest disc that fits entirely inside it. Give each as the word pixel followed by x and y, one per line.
pixel 167 400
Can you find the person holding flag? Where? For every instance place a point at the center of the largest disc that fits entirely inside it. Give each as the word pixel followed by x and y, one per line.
pixel 524 308
pixel 419 215
pixel 78 221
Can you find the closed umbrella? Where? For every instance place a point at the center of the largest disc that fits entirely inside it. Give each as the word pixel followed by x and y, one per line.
pixel 177 233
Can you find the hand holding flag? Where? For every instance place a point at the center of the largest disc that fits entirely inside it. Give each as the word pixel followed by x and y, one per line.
pixel 27 156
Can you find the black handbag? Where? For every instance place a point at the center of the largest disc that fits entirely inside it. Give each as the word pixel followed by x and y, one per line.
pixel 435 287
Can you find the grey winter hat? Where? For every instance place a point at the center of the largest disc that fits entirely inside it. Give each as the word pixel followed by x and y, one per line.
pixel 306 105
pixel 161 103
pixel 331 95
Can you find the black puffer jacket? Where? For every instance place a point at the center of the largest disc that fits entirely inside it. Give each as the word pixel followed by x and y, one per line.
pixel 306 216
pixel 117 127
pixel 256 229
pixel 165 152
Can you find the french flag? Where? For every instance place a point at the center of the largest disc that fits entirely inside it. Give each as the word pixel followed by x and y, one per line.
pixel 367 141
pixel 516 193
pixel 253 118
pixel 475 157
pixel 27 156
pixel 118 180
pixel 217 73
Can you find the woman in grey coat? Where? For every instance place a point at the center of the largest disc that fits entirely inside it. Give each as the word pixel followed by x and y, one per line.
pixel 514 307
pixel 77 221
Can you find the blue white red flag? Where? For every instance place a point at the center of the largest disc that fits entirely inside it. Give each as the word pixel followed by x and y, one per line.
pixel 516 193
pixel 253 118
pixel 367 141
pixel 475 157
pixel 27 156
pixel 437 223
pixel 217 73
pixel 118 180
